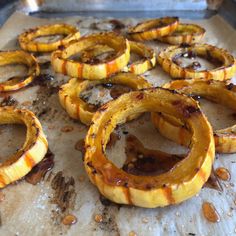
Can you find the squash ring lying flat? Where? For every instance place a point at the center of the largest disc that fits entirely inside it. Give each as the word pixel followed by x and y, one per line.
pixel 33 150
pixel 152 29
pixel 28 43
pixel 184 34
pixel 62 64
pixel 18 57
pixel 166 59
pixel 138 67
pixel 216 91
pixel 69 93
pixel 183 181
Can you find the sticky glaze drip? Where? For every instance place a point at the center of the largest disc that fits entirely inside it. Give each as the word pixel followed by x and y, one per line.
pixel 210 213
pixel 39 171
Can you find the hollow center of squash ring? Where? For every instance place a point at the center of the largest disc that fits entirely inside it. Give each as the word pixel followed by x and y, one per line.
pixel 12 138
pixel 138 148
pixel 196 62
pixel 13 73
pixel 97 95
pixel 49 38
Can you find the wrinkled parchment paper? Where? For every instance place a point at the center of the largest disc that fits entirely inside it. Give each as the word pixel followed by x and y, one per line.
pixel 29 210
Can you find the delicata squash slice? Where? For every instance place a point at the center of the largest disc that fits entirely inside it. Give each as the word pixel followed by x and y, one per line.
pixel 33 150
pixel 184 34
pixel 152 29
pixel 216 91
pixel 138 67
pixel 27 40
pixel 168 59
pixel 18 57
pixel 62 63
pixel 77 108
pixel 183 181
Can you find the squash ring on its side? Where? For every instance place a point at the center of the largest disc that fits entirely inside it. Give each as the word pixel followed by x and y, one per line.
pixel 184 34
pixel 18 57
pixel 152 29
pixel 28 43
pixel 69 93
pixel 33 150
pixel 167 57
pixel 183 181
pixel 138 67
pixel 62 64
pixel 216 91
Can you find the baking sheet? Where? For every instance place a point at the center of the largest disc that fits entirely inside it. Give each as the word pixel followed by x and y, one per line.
pixel 29 209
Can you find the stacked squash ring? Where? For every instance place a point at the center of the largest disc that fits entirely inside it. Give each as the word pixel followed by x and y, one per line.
pixel 174 129
pixel 139 67
pixel 33 150
pixel 62 64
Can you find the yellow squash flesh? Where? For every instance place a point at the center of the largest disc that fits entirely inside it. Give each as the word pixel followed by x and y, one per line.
pixel 18 57
pixel 33 150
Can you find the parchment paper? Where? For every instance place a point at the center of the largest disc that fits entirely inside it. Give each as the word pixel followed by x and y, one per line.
pixel 29 210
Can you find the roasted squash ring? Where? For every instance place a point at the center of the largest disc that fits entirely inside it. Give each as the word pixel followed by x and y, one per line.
pixel 62 64
pixel 183 181
pixel 18 57
pixel 184 34
pixel 167 57
pixel 152 29
pixel 216 91
pixel 28 43
pixel 69 93
pixel 139 67
pixel 33 150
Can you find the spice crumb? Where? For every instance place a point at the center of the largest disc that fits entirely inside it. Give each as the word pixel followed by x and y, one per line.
pixel 67 129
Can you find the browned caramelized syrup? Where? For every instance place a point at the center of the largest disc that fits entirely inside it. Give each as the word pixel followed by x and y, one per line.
pixel 67 129
pixel 118 90
pixel 9 101
pixel 39 171
pixel 80 146
pixel 213 182
pixel 210 213
pixel 223 174
pixel 64 191
pixel 143 161
pixel 69 220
